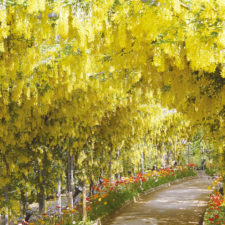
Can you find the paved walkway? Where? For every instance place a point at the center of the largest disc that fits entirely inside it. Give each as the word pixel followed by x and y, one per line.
pixel 180 204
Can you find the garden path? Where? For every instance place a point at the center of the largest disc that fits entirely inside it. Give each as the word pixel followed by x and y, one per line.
pixel 180 204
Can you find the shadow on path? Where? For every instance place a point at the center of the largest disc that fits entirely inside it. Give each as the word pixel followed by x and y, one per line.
pixel 180 204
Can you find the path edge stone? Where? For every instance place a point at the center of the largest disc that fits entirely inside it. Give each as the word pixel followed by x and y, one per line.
pixel 103 219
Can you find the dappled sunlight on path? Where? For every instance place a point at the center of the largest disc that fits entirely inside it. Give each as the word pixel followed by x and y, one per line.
pixel 180 204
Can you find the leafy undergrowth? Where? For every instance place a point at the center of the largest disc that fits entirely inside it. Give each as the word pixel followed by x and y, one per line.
pixel 211 170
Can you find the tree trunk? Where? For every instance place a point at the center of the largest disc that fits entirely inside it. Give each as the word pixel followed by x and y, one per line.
pixel 134 173
pixel 91 189
pixel 118 157
pixel 70 180
pixel 175 151
pixel 84 203
pixel 21 208
pixel 59 201
pixel 142 163
pixel 6 206
pixel 110 165
pixel 203 152
pixel 41 201
pixel 101 173
pixel 188 155
pixel 24 202
pixel 164 154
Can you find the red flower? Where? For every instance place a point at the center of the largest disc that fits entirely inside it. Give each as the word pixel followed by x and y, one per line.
pixel 216 216
pixel 105 180
pixel 211 219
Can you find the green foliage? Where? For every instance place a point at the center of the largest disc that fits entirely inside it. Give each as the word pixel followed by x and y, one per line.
pixel 211 171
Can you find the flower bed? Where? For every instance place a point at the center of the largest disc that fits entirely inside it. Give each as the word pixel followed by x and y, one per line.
pixel 111 197
pixel 215 213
